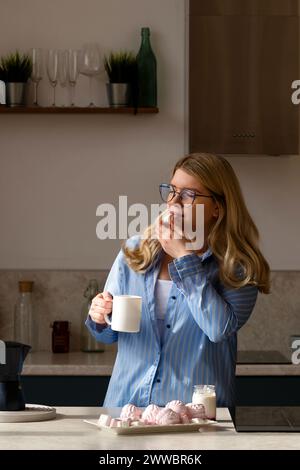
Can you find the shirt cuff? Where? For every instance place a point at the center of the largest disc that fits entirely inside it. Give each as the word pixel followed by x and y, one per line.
pixel 93 326
pixel 185 266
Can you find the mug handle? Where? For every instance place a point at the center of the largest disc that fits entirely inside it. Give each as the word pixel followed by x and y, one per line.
pixel 107 319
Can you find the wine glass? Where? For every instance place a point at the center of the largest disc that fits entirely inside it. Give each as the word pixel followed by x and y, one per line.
pixel 63 68
pixel 37 70
pixel 74 58
pixel 52 70
pixel 90 65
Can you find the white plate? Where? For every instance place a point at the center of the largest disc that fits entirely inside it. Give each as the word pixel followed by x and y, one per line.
pixel 189 427
pixel 31 413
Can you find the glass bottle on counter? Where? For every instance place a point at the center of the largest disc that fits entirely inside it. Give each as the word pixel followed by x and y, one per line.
pixel 24 323
pixel 206 395
pixel 88 342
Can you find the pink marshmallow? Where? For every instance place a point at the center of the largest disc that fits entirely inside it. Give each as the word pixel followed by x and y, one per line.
pixel 178 406
pixel 115 423
pixel 185 419
pixel 167 416
pixel 150 413
pixel 104 420
pixel 195 411
pixel 130 411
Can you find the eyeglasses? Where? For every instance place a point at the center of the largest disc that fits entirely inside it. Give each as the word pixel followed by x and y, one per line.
pixel 187 196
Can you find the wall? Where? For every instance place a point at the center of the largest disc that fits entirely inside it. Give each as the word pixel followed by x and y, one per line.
pixel 55 170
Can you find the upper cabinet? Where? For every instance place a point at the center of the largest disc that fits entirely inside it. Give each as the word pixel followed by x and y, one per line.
pixel 243 58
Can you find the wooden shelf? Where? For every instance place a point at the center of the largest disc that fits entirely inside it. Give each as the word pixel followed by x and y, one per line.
pixel 75 110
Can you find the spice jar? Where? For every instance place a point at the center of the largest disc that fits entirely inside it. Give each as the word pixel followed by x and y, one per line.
pixel 60 336
pixel 206 395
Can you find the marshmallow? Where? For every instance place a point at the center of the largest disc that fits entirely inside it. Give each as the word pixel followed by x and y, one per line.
pixel 104 420
pixel 195 411
pixel 125 423
pixel 165 218
pixel 137 423
pixel 115 423
pixel 185 419
pixel 150 413
pixel 130 411
pixel 197 420
pixel 179 407
pixel 167 416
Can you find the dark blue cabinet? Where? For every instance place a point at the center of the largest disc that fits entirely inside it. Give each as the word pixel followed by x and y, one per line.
pixel 65 390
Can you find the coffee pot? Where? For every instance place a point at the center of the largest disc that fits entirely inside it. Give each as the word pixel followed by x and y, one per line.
pixel 12 356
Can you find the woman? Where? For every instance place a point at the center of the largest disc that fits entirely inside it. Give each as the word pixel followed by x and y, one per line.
pixel 194 301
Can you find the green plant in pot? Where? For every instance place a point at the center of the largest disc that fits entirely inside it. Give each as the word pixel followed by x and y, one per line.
pixel 15 70
pixel 121 69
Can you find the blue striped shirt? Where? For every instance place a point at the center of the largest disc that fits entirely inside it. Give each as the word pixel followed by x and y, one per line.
pixel 199 344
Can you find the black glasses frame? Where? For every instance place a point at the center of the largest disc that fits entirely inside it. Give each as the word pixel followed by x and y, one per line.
pixel 193 194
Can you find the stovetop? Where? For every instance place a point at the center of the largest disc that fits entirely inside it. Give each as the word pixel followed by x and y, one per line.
pixel 261 357
pixel 266 418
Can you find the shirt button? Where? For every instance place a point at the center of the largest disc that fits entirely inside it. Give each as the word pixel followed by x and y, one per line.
pixel 168 326
pixel 158 381
pixel 173 297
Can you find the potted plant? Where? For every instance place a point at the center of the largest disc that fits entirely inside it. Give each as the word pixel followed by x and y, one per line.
pixel 121 69
pixel 15 70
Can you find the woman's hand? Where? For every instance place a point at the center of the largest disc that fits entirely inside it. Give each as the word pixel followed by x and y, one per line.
pixel 171 237
pixel 101 305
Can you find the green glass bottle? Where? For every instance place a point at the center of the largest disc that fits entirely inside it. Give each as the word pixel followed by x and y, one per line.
pixel 146 68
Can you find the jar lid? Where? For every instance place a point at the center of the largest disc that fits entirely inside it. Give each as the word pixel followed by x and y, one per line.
pixel 25 286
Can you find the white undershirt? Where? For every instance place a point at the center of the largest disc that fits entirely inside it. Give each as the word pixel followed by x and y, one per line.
pixel 162 292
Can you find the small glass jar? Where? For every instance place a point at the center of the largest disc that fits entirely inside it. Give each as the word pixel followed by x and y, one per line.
pixel 206 395
pixel 60 336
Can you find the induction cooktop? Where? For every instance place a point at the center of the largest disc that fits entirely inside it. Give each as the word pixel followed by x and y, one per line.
pixel 266 418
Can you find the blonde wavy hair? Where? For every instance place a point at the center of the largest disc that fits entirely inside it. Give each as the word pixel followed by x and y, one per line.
pixel 234 237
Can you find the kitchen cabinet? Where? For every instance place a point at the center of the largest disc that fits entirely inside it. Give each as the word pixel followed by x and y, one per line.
pixel 58 390
pixel 243 59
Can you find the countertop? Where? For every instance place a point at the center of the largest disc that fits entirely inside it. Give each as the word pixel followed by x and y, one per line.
pixel 73 363
pixel 68 431
pixel 101 364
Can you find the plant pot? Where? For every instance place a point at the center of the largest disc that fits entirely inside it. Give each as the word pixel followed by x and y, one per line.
pixel 15 94
pixel 118 94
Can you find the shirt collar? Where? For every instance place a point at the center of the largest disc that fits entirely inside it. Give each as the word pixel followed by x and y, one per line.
pixel 206 254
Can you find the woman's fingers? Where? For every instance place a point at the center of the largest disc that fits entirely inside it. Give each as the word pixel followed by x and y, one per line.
pixel 101 310
pixel 103 300
pixel 107 295
pixel 101 305
pixel 163 229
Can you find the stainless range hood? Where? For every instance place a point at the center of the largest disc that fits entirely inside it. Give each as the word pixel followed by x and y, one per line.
pixel 243 58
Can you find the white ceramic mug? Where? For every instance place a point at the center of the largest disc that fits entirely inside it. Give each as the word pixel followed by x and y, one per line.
pixel 126 313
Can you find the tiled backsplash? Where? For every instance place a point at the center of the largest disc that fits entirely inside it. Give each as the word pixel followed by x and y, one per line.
pixel 276 317
pixel 58 295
